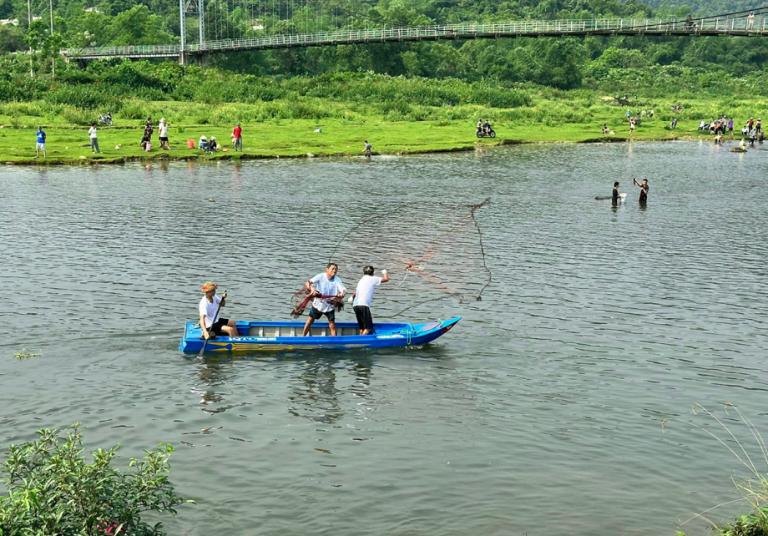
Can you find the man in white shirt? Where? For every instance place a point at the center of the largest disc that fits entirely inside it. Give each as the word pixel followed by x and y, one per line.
pixel 94 139
pixel 326 287
pixel 162 127
pixel 210 306
pixel 366 287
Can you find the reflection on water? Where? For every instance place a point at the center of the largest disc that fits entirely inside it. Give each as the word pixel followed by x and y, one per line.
pixel 315 392
pixel 569 383
pixel 314 395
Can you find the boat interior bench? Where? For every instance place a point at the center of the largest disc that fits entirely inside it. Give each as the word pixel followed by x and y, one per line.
pixel 285 331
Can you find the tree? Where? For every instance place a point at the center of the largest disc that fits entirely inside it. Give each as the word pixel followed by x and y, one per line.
pixel 138 26
pixel 561 63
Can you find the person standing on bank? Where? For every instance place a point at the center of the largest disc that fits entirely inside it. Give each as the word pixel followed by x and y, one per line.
pixel 324 287
pixel 162 128
pixel 644 188
pixel 148 130
pixel 366 287
pixel 93 137
pixel 40 145
pixel 367 149
pixel 237 137
pixel 210 320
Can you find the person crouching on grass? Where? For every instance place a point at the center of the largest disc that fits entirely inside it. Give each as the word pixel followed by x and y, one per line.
pixel 366 287
pixel 210 307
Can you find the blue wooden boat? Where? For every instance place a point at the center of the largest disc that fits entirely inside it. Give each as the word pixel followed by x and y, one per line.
pixel 257 335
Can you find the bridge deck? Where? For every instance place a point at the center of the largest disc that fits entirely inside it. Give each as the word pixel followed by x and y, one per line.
pixel 736 26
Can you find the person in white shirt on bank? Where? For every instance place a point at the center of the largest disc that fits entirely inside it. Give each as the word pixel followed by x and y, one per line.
pixel 162 127
pixel 366 287
pixel 94 138
pixel 325 287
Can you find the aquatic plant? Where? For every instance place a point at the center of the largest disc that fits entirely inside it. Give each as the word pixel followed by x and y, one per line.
pixel 25 354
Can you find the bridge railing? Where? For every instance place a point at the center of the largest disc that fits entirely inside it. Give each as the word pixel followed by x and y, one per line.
pixel 723 25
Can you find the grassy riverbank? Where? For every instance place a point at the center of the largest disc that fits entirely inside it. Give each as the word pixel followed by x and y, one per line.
pixel 296 138
pixel 301 117
pixel 69 144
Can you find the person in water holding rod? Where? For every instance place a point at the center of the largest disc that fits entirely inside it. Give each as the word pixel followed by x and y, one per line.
pixel 210 306
pixel 644 187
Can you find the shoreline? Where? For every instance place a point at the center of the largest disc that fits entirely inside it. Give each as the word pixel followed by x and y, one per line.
pixel 230 156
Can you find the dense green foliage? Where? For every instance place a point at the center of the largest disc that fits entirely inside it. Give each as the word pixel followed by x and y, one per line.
pixel 705 7
pixel 561 63
pixel 53 490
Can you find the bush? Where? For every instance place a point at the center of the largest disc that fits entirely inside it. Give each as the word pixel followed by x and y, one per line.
pixel 77 116
pixel 52 490
pixel 87 97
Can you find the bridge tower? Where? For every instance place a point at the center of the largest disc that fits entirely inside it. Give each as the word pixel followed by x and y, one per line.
pixel 188 6
pixel 182 59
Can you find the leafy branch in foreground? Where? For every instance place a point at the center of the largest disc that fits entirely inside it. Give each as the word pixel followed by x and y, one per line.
pixel 53 490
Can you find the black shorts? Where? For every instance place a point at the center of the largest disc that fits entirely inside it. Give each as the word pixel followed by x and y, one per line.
pixel 163 138
pixel 364 318
pixel 216 327
pixel 316 313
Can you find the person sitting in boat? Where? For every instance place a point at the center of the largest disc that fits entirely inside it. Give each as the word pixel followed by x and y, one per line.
pixel 366 287
pixel 325 287
pixel 210 306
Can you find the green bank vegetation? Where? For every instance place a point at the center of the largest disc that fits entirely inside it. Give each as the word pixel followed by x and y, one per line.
pixel 332 114
pixel 53 489
pixel 752 456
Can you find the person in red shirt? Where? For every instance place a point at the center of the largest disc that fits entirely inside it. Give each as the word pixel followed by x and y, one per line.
pixel 237 137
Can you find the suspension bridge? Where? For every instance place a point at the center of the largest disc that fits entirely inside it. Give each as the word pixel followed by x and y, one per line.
pixel 745 24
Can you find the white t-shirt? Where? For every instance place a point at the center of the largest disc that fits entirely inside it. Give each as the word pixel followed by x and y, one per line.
pixel 209 309
pixel 163 128
pixel 92 132
pixel 365 289
pixel 324 286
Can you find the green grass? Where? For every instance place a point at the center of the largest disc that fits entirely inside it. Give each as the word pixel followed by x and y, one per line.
pixel 569 117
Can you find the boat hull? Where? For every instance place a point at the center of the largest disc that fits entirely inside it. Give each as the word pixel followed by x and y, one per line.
pixel 282 336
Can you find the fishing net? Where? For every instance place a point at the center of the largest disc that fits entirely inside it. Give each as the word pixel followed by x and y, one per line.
pixel 433 252
pixel 301 299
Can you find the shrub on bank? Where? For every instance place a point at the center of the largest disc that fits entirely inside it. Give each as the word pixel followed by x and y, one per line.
pixel 53 490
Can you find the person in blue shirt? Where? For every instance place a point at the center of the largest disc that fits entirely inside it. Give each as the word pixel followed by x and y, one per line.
pixel 40 145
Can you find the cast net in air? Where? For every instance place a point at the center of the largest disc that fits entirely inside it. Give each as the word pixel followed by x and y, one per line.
pixel 434 254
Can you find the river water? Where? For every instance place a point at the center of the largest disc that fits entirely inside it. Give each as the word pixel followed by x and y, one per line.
pixel 563 402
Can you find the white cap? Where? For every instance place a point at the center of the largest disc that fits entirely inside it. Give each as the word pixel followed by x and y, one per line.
pixel 383 272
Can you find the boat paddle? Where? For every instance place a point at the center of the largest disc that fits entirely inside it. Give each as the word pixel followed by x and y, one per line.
pixel 215 317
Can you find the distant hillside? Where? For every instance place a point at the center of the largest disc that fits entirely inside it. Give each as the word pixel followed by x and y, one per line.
pixel 706 7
